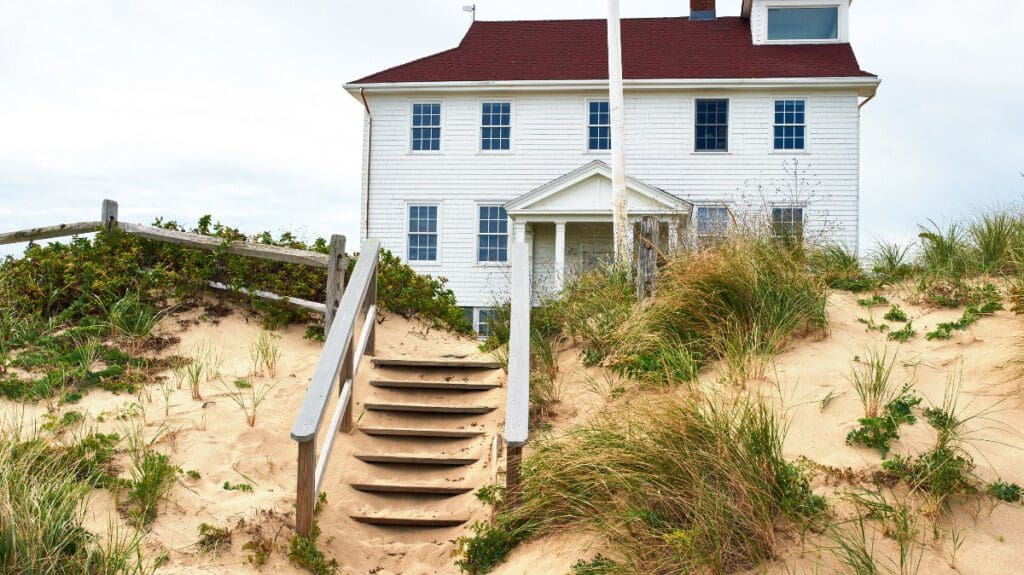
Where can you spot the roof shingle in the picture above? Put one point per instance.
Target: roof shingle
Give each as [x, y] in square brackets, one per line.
[652, 49]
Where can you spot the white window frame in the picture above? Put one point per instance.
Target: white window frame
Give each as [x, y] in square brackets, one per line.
[841, 5]
[437, 234]
[789, 206]
[477, 312]
[511, 125]
[807, 125]
[724, 233]
[728, 127]
[508, 233]
[409, 132]
[587, 125]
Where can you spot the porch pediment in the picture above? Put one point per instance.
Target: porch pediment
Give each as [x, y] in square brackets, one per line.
[588, 190]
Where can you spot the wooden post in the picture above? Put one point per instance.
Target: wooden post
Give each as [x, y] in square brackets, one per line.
[108, 214]
[371, 299]
[305, 498]
[560, 255]
[647, 257]
[335, 279]
[348, 370]
[513, 478]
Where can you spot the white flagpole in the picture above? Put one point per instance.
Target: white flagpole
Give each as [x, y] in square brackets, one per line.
[623, 253]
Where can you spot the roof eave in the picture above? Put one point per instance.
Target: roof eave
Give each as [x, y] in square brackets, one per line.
[865, 85]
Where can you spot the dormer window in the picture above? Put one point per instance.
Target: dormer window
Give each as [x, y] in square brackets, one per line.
[803, 24]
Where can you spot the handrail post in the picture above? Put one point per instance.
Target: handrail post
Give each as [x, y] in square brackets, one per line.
[347, 372]
[371, 300]
[335, 279]
[108, 214]
[305, 498]
[517, 412]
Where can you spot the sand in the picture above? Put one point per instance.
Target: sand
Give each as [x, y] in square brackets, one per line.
[211, 437]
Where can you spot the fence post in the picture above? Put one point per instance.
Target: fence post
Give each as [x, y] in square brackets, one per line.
[335, 279]
[517, 412]
[108, 214]
[305, 499]
[348, 368]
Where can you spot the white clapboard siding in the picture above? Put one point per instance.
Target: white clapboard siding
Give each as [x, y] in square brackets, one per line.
[548, 141]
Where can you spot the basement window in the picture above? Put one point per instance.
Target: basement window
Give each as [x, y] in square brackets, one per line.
[803, 23]
[788, 223]
[712, 223]
[485, 317]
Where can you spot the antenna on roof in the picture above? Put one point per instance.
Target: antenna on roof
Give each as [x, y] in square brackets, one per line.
[471, 8]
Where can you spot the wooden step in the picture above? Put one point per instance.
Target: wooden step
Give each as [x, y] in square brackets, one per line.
[442, 385]
[411, 488]
[429, 408]
[419, 432]
[395, 520]
[416, 459]
[441, 363]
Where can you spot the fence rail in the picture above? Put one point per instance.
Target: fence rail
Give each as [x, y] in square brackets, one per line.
[339, 363]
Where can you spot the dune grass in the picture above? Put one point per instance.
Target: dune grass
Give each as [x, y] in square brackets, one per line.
[676, 484]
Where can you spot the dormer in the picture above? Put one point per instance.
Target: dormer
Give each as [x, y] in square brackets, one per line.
[798, 21]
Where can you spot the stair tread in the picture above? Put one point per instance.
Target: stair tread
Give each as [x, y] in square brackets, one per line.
[427, 407]
[411, 487]
[422, 432]
[416, 458]
[436, 362]
[406, 520]
[446, 385]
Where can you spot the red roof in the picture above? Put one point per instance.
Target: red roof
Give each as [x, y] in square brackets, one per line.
[652, 48]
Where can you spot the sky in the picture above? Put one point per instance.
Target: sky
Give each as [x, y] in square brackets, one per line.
[235, 107]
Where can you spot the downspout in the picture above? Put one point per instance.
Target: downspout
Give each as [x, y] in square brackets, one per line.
[369, 164]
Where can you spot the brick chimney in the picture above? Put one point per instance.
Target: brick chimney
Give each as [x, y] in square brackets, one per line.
[702, 10]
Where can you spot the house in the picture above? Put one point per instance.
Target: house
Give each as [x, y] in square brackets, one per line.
[506, 137]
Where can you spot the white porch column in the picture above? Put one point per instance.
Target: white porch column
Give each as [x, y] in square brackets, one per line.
[560, 254]
[519, 231]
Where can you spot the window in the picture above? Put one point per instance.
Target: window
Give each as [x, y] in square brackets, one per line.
[712, 128]
[790, 124]
[712, 222]
[496, 126]
[484, 318]
[803, 23]
[788, 223]
[426, 127]
[599, 127]
[493, 244]
[422, 233]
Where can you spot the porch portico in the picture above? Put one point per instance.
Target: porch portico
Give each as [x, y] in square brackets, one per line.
[567, 223]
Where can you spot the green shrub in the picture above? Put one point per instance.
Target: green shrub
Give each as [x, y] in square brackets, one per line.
[213, 539]
[878, 432]
[305, 553]
[903, 335]
[1008, 492]
[401, 290]
[896, 313]
[874, 301]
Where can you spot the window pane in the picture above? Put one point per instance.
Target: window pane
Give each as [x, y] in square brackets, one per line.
[803, 23]
[712, 125]
[493, 234]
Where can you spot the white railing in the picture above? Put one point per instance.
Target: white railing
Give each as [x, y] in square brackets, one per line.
[517, 411]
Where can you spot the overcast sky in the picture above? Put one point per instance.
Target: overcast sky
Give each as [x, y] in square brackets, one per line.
[236, 108]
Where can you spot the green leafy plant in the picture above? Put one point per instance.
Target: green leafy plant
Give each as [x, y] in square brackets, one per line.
[1008, 492]
[599, 565]
[879, 432]
[213, 539]
[245, 487]
[305, 553]
[896, 313]
[903, 335]
[152, 478]
[874, 301]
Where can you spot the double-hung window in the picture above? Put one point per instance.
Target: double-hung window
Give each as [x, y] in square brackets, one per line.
[426, 126]
[599, 126]
[788, 223]
[493, 235]
[496, 126]
[712, 125]
[422, 233]
[803, 24]
[712, 222]
[790, 124]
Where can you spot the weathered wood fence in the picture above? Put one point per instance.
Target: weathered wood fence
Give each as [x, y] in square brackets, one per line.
[341, 356]
[335, 262]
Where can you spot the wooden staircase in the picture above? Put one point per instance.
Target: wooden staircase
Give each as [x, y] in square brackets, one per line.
[422, 444]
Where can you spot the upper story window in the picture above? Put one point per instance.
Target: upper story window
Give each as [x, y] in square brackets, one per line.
[712, 126]
[712, 222]
[422, 233]
[426, 126]
[496, 126]
[788, 223]
[790, 124]
[821, 23]
[493, 238]
[599, 126]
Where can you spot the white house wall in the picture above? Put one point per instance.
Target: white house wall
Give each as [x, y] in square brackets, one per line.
[548, 141]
